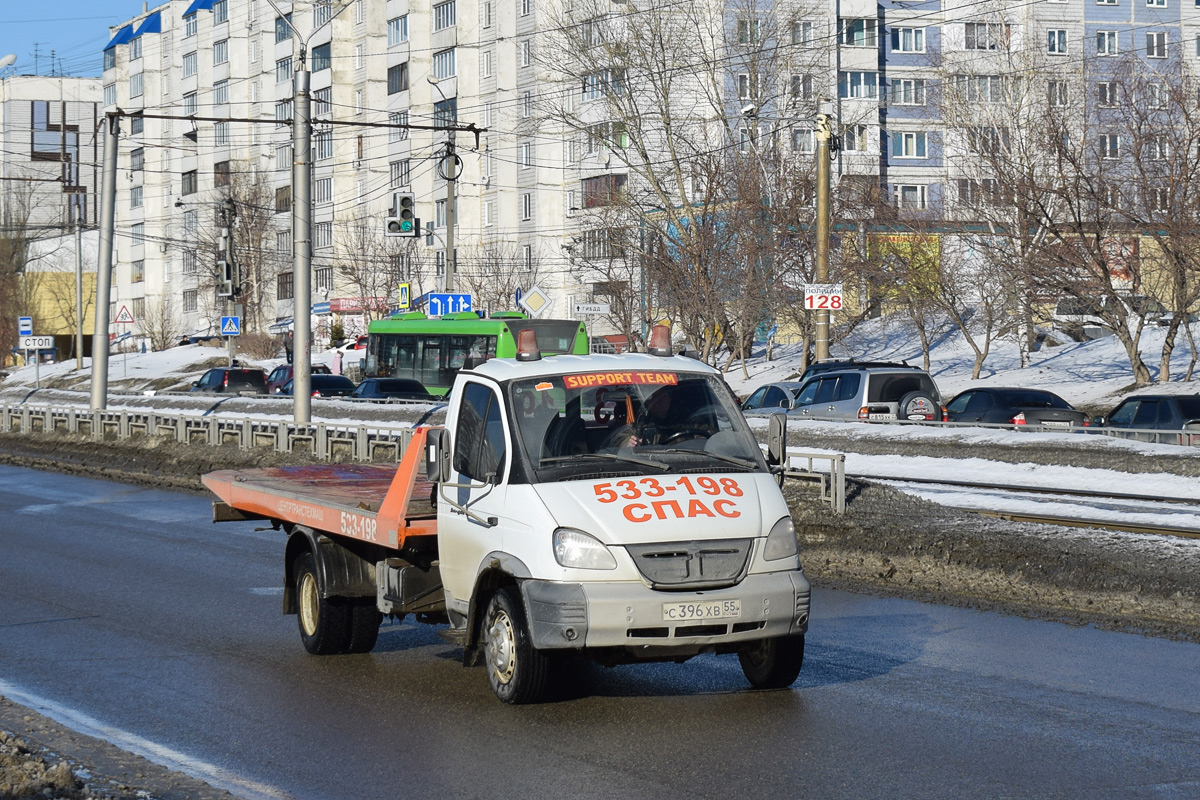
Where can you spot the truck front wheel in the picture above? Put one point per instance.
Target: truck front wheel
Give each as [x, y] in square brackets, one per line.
[325, 623]
[773, 663]
[518, 672]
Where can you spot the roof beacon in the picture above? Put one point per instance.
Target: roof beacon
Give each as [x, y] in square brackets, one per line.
[660, 340]
[527, 346]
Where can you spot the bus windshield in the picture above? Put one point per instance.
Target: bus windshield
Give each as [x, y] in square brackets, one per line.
[642, 422]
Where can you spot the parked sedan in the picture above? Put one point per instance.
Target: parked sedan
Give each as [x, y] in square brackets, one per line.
[392, 388]
[232, 380]
[772, 397]
[1166, 418]
[325, 386]
[1010, 406]
[283, 373]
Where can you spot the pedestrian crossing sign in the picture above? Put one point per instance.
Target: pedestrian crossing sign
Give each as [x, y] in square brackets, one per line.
[231, 326]
[403, 299]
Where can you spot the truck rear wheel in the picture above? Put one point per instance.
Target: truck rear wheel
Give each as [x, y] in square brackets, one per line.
[325, 623]
[518, 672]
[773, 663]
[365, 620]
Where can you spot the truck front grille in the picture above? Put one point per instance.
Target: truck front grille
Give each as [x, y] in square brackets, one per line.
[692, 565]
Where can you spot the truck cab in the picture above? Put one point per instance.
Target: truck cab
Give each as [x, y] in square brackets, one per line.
[613, 505]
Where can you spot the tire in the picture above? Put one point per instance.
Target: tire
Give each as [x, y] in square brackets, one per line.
[325, 623]
[918, 405]
[365, 620]
[773, 663]
[517, 671]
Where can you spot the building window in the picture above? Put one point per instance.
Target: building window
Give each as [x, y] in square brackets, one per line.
[485, 61]
[1158, 148]
[857, 32]
[854, 139]
[190, 104]
[443, 16]
[110, 94]
[189, 262]
[401, 173]
[221, 93]
[397, 78]
[283, 70]
[802, 87]
[489, 213]
[526, 206]
[324, 278]
[283, 199]
[137, 123]
[439, 213]
[221, 173]
[1110, 145]
[190, 64]
[1106, 93]
[190, 182]
[908, 145]
[396, 134]
[858, 84]
[283, 242]
[986, 140]
[1157, 95]
[283, 157]
[525, 155]
[487, 15]
[527, 104]
[1057, 91]
[804, 141]
[135, 197]
[526, 7]
[443, 64]
[802, 33]
[323, 191]
[221, 133]
[908, 40]
[1157, 3]
[110, 59]
[189, 26]
[445, 112]
[1056, 42]
[320, 60]
[1106, 43]
[138, 230]
[360, 55]
[986, 36]
[748, 31]
[323, 236]
[284, 287]
[283, 28]
[137, 160]
[527, 53]
[908, 197]
[322, 145]
[321, 100]
[191, 222]
[1156, 45]
[283, 110]
[397, 31]
[135, 85]
[189, 300]
[526, 264]
[322, 12]
[908, 92]
[603, 190]
[221, 52]
[1161, 199]
[255, 49]
[220, 11]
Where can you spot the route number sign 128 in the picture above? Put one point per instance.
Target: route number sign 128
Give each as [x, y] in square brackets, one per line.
[823, 296]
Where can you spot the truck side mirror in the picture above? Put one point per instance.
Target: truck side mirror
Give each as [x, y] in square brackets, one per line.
[777, 444]
[437, 455]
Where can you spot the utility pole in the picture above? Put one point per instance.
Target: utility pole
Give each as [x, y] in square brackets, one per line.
[824, 134]
[78, 291]
[449, 169]
[108, 204]
[228, 215]
[302, 244]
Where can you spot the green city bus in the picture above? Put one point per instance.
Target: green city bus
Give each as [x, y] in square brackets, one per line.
[433, 349]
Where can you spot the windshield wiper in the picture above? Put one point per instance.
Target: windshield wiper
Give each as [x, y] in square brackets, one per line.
[737, 462]
[646, 462]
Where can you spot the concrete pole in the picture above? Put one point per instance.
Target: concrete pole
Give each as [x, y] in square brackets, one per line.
[449, 165]
[302, 246]
[821, 345]
[108, 204]
[78, 291]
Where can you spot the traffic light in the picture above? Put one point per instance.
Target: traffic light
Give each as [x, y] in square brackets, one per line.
[225, 281]
[404, 221]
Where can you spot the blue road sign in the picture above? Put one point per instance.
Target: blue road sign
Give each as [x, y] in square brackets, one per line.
[24, 326]
[441, 303]
[231, 326]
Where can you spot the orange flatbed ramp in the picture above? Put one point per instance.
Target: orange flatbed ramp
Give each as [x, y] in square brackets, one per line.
[374, 503]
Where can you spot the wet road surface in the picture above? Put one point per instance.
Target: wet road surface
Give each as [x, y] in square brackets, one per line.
[125, 610]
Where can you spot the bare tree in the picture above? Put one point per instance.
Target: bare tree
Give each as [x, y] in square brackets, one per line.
[493, 272]
[162, 323]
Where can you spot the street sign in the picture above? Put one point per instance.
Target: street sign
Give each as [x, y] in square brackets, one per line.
[24, 326]
[231, 326]
[403, 296]
[535, 301]
[324, 307]
[441, 303]
[592, 308]
[823, 296]
[37, 342]
[123, 316]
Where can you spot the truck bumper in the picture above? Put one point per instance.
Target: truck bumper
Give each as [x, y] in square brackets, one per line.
[633, 616]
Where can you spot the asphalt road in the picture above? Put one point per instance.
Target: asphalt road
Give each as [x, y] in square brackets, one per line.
[123, 611]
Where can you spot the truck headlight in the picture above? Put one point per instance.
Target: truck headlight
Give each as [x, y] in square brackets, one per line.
[579, 550]
[781, 541]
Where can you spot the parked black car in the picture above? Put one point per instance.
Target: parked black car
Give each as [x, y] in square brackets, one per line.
[232, 380]
[1165, 418]
[392, 388]
[283, 373]
[1012, 406]
[325, 386]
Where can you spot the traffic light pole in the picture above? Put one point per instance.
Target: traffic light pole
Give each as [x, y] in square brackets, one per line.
[228, 214]
[824, 133]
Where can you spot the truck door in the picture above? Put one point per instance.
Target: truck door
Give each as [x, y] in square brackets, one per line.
[481, 457]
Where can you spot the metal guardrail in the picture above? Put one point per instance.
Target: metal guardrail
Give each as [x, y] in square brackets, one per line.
[364, 442]
[831, 482]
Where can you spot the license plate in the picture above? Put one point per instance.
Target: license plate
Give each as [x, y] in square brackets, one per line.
[1053, 424]
[706, 609]
[882, 417]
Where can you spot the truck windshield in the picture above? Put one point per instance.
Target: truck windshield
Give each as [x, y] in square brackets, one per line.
[573, 426]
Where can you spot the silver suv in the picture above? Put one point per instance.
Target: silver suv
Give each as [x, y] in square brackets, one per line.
[870, 393]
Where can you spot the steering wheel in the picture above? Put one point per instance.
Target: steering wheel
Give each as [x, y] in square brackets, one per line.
[685, 434]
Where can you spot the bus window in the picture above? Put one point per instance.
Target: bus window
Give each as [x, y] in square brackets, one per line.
[429, 371]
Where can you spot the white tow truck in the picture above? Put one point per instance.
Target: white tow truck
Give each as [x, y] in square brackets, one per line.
[614, 506]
